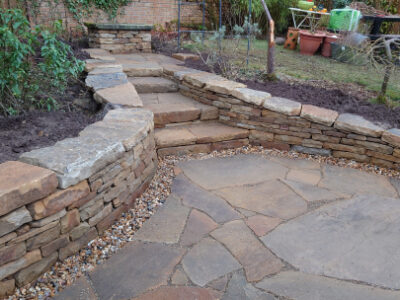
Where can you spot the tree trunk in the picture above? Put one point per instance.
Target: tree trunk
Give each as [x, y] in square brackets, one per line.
[271, 43]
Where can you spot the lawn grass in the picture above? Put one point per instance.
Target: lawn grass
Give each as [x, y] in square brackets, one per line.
[316, 67]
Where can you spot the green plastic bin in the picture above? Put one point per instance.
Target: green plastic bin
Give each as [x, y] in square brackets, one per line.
[345, 19]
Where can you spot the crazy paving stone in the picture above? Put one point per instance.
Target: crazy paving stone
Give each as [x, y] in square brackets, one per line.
[257, 260]
[208, 260]
[305, 176]
[196, 197]
[351, 181]
[353, 239]
[272, 198]
[216, 173]
[239, 288]
[261, 225]
[180, 293]
[197, 226]
[301, 286]
[137, 268]
[81, 289]
[166, 225]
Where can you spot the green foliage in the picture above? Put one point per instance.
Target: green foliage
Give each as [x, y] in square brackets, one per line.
[341, 3]
[279, 11]
[82, 8]
[34, 62]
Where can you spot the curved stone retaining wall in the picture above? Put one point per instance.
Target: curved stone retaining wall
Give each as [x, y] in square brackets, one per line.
[285, 124]
[57, 199]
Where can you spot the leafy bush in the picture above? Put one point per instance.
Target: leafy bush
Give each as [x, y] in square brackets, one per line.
[341, 3]
[34, 62]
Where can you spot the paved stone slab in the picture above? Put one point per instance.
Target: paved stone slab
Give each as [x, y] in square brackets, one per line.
[261, 225]
[201, 79]
[283, 106]
[173, 113]
[166, 225]
[392, 136]
[138, 267]
[296, 164]
[301, 286]
[198, 198]
[319, 115]
[142, 69]
[81, 290]
[179, 277]
[354, 239]
[220, 283]
[25, 261]
[312, 193]
[96, 53]
[351, 181]
[22, 184]
[305, 176]
[257, 260]
[271, 198]
[197, 226]
[154, 85]
[251, 96]
[124, 94]
[223, 86]
[91, 64]
[239, 288]
[170, 137]
[210, 132]
[180, 293]
[33, 271]
[106, 69]
[358, 124]
[208, 260]
[218, 173]
[103, 81]
[185, 56]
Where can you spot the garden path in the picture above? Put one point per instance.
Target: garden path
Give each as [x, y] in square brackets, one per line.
[253, 227]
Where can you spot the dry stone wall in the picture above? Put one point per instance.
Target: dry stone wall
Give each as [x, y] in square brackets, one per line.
[55, 200]
[284, 124]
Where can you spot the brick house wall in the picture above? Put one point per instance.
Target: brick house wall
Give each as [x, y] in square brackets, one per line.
[149, 12]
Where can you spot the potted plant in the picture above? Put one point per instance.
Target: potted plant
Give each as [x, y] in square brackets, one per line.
[311, 40]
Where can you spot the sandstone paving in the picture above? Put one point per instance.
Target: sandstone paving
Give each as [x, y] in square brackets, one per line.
[257, 260]
[271, 198]
[218, 173]
[261, 225]
[179, 277]
[353, 239]
[203, 200]
[154, 85]
[180, 293]
[138, 267]
[103, 81]
[207, 261]
[302, 286]
[166, 225]
[239, 288]
[352, 181]
[311, 177]
[197, 226]
[81, 289]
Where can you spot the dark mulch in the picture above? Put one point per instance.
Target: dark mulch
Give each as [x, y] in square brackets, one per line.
[39, 129]
[335, 99]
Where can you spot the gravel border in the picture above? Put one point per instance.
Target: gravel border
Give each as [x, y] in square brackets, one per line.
[63, 274]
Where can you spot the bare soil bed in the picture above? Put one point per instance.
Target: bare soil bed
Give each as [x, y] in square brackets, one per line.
[333, 98]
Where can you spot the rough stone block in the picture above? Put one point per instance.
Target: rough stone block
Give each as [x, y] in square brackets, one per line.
[184, 150]
[70, 220]
[59, 200]
[288, 139]
[325, 138]
[283, 105]
[223, 145]
[21, 184]
[103, 81]
[185, 56]
[106, 222]
[7, 287]
[350, 155]
[25, 261]
[33, 232]
[312, 151]
[142, 69]
[170, 137]
[251, 96]
[261, 135]
[77, 158]
[357, 124]
[201, 79]
[392, 136]
[43, 238]
[319, 115]
[54, 245]
[124, 94]
[346, 148]
[14, 220]
[91, 208]
[369, 145]
[11, 253]
[75, 246]
[49, 219]
[101, 215]
[32, 272]
[107, 69]
[225, 87]
[383, 156]
[78, 231]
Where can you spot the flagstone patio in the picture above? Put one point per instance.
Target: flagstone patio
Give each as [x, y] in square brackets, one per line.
[251, 227]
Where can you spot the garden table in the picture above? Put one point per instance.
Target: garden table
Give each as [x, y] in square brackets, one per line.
[307, 18]
[377, 23]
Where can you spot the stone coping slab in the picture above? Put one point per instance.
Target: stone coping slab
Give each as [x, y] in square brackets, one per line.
[76, 159]
[113, 26]
[358, 124]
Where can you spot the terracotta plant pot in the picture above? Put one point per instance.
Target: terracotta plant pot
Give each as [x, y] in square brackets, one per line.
[310, 42]
[291, 38]
[326, 47]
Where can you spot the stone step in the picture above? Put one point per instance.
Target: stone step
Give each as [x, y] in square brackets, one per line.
[153, 85]
[199, 137]
[170, 108]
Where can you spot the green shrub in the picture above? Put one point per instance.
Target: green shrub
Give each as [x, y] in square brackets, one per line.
[35, 63]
